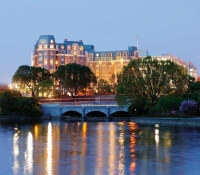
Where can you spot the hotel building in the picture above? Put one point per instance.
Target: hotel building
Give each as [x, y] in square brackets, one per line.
[49, 55]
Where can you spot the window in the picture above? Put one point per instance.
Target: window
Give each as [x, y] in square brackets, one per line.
[40, 46]
[81, 48]
[125, 54]
[97, 59]
[40, 58]
[69, 47]
[90, 55]
[52, 52]
[109, 54]
[45, 56]
[51, 46]
[75, 52]
[51, 67]
[103, 55]
[40, 52]
[75, 47]
[51, 57]
[45, 52]
[118, 55]
[45, 66]
[45, 46]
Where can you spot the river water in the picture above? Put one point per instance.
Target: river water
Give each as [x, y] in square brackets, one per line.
[98, 148]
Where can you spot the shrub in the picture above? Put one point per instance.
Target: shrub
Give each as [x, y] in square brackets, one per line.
[187, 106]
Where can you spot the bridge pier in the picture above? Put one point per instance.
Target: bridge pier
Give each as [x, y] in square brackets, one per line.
[108, 113]
[83, 113]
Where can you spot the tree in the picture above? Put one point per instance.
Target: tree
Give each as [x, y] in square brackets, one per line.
[7, 101]
[75, 77]
[46, 86]
[103, 87]
[148, 79]
[28, 106]
[168, 103]
[30, 76]
[193, 91]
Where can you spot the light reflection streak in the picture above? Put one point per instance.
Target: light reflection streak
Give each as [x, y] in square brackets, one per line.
[157, 136]
[132, 127]
[49, 150]
[16, 152]
[84, 147]
[112, 150]
[121, 151]
[28, 168]
[99, 149]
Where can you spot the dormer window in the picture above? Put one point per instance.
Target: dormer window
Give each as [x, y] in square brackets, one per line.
[68, 47]
[81, 48]
[90, 55]
[75, 47]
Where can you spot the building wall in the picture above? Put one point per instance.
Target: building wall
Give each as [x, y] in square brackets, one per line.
[50, 55]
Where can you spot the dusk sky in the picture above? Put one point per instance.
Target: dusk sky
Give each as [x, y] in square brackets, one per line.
[162, 26]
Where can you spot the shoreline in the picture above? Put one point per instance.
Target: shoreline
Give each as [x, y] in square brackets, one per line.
[168, 121]
[193, 121]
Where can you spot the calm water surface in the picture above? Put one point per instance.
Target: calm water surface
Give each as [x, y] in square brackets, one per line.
[99, 148]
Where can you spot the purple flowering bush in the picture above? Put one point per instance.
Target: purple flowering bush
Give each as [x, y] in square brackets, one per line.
[187, 106]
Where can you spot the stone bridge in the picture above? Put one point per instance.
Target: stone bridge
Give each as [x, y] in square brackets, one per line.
[57, 110]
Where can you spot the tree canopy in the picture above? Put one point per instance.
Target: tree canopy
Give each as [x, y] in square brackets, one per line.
[148, 79]
[31, 77]
[74, 77]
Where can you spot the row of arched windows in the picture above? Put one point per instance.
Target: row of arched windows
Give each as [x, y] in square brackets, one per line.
[119, 54]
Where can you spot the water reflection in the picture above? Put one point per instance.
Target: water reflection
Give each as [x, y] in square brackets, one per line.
[16, 152]
[112, 150]
[49, 150]
[133, 127]
[121, 150]
[28, 165]
[99, 148]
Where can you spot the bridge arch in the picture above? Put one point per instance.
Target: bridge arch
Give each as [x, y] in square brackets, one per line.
[119, 114]
[71, 113]
[96, 114]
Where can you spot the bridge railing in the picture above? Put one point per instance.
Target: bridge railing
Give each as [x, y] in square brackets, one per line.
[86, 103]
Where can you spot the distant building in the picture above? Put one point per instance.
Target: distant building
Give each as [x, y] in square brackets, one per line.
[49, 55]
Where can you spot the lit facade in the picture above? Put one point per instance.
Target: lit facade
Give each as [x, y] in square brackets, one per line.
[49, 55]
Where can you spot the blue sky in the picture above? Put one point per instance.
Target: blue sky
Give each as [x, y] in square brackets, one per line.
[162, 26]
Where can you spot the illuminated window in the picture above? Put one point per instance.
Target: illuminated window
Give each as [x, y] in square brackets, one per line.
[75, 52]
[40, 46]
[81, 48]
[51, 46]
[75, 47]
[45, 46]
[69, 47]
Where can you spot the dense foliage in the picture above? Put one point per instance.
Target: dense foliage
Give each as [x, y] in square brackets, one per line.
[31, 77]
[12, 101]
[75, 77]
[144, 81]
